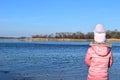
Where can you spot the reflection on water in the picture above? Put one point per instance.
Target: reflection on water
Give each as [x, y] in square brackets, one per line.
[49, 60]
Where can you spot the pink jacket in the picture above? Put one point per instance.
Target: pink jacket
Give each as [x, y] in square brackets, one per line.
[99, 59]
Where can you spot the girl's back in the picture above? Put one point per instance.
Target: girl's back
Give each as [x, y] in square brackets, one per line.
[99, 55]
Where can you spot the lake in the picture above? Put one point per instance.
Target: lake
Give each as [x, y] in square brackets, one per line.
[49, 60]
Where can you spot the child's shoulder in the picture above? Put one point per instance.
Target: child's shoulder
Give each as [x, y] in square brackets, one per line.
[101, 44]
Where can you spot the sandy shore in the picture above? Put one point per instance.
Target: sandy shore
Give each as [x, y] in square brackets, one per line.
[113, 40]
[67, 39]
[60, 39]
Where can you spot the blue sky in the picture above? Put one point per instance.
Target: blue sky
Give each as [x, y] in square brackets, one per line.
[31, 17]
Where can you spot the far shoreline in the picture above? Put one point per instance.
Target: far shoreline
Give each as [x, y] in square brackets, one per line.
[70, 40]
[58, 39]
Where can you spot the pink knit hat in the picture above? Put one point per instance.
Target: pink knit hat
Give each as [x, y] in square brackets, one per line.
[99, 33]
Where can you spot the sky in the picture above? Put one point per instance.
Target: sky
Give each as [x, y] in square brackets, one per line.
[32, 17]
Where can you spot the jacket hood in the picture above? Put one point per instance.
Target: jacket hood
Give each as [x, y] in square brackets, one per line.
[101, 49]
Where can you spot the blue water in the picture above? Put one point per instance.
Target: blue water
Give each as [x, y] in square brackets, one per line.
[49, 61]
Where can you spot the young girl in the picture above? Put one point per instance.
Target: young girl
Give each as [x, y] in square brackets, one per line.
[99, 56]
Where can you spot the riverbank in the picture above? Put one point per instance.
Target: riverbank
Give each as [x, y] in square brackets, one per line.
[59, 39]
[67, 39]
[113, 40]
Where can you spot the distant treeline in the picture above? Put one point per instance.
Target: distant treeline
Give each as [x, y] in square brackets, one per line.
[14, 37]
[8, 38]
[79, 35]
[70, 35]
